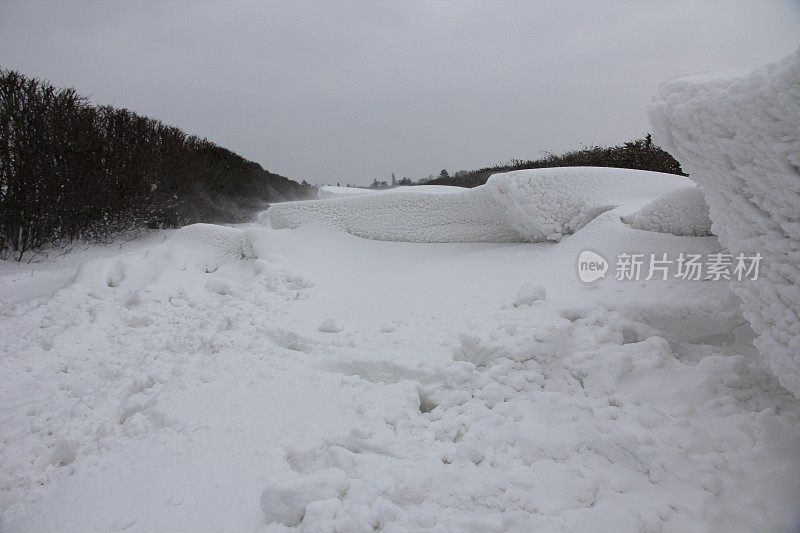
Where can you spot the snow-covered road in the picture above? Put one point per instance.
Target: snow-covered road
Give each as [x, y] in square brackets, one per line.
[186, 386]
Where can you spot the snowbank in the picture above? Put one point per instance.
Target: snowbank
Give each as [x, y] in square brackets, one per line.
[546, 204]
[739, 139]
[201, 247]
[435, 189]
[680, 212]
[468, 216]
[285, 500]
[528, 205]
[329, 191]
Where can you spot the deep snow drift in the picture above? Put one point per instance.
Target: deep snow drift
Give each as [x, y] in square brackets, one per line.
[527, 205]
[330, 191]
[683, 211]
[739, 138]
[246, 379]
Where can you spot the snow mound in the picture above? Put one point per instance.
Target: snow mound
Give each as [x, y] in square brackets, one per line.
[527, 205]
[468, 216]
[285, 500]
[680, 212]
[434, 189]
[203, 247]
[329, 325]
[207, 246]
[528, 294]
[329, 191]
[546, 204]
[739, 139]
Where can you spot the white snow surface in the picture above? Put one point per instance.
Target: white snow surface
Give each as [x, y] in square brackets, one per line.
[527, 205]
[329, 325]
[331, 191]
[739, 139]
[683, 211]
[185, 386]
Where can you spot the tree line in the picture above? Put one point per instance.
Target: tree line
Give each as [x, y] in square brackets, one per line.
[639, 154]
[70, 170]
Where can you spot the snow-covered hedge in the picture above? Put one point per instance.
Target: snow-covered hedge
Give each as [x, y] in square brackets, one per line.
[526, 205]
[468, 216]
[547, 203]
[739, 139]
[331, 191]
[683, 211]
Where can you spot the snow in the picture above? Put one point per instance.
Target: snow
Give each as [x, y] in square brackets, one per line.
[330, 191]
[738, 139]
[465, 216]
[286, 500]
[527, 205]
[546, 204]
[185, 385]
[431, 189]
[683, 211]
[530, 293]
[329, 325]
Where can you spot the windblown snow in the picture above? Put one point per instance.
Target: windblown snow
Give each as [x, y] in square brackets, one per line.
[256, 379]
[523, 206]
[739, 139]
[330, 191]
[683, 211]
[299, 377]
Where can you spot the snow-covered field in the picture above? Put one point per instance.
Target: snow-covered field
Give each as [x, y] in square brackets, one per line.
[450, 373]
[248, 378]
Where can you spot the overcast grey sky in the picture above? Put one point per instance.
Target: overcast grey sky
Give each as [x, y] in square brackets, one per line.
[351, 91]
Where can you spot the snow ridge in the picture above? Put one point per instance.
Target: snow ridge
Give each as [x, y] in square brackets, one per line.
[681, 212]
[739, 139]
[527, 205]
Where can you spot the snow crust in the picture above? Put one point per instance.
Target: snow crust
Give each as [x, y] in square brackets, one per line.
[523, 206]
[739, 140]
[683, 211]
